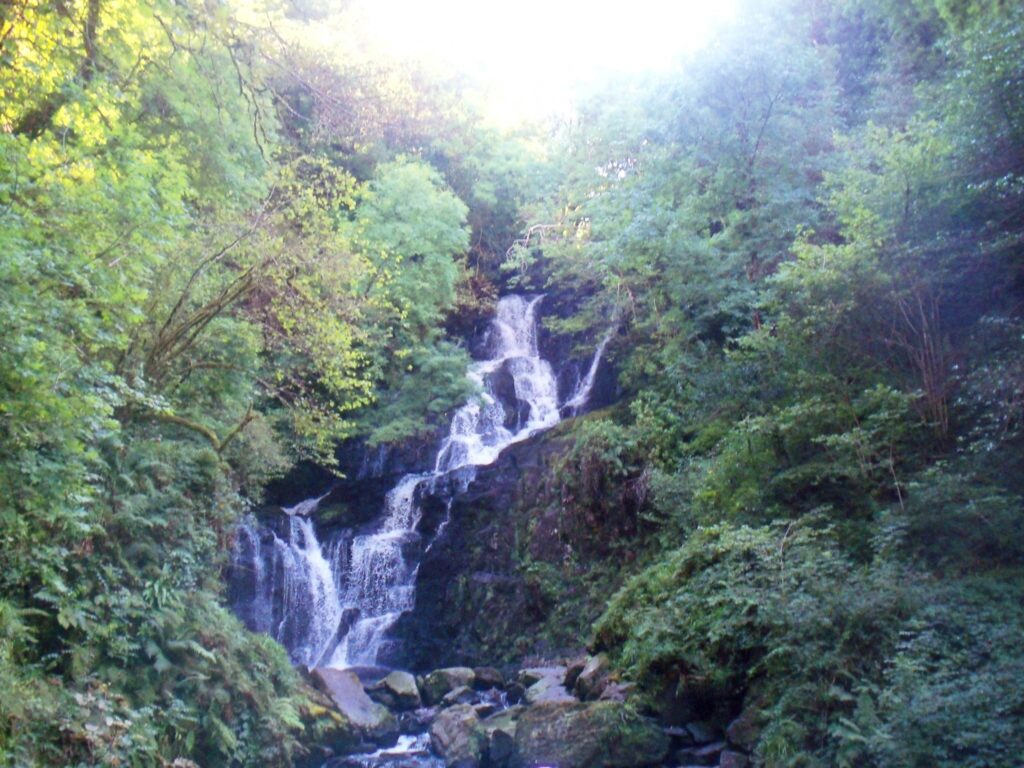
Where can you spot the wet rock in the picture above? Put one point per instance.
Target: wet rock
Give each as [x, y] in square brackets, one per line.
[572, 673]
[372, 721]
[488, 677]
[398, 691]
[706, 755]
[577, 735]
[733, 760]
[516, 692]
[461, 695]
[439, 682]
[485, 709]
[418, 720]
[593, 678]
[456, 735]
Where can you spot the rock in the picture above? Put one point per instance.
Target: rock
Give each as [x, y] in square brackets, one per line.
[398, 691]
[679, 735]
[572, 734]
[528, 677]
[516, 692]
[501, 736]
[745, 730]
[572, 673]
[488, 677]
[331, 731]
[706, 755]
[456, 735]
[485, 709]
[418, 720]
[733, 760]
[593, 678]
[617, 691]
[546, 690]
[373, 721]
[461, 695]
[439, 682]
[702, 732]
[504, 718]
[501, 746]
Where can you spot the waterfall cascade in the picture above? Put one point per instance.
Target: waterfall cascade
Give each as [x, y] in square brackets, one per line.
[333, 605]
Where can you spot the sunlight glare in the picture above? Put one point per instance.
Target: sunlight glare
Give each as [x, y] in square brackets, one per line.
[531, 53]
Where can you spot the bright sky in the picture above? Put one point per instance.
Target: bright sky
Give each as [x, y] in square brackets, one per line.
[530, 53]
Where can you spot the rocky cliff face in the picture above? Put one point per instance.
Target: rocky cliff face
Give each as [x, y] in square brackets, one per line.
[509, 576]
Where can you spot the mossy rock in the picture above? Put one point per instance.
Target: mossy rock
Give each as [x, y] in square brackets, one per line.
[440, 682]
[605, 734]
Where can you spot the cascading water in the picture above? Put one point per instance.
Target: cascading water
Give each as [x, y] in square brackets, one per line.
[335, 609]
[289, 587]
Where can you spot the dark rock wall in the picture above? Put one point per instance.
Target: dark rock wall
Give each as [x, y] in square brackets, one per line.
[504, 580]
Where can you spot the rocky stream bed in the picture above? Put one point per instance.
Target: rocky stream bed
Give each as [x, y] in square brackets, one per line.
[572, 714]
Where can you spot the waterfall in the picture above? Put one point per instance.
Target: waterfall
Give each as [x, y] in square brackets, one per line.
[336, 609]
[582, 394]
[290, 587]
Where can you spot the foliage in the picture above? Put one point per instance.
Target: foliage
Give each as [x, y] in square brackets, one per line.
[196, 293]
[816, 259]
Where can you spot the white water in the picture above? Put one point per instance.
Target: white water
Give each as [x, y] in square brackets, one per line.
[579, 398]
[375, 584]
[308, 600]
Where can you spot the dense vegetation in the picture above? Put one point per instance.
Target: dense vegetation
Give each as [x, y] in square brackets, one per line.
[222, 252]
[809, 239]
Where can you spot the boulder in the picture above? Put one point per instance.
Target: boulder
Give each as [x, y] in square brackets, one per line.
[572, 673]
[461, 695]
[501, 736]
[329, 731]
[706, 755]
[543, 684]
[547, 689]
[733, 760]
[603, 734]
[485, 709]
[516, 692]
[439, 682]
[528, 677]
[398, 691]
[506, 718]
[417, 720]
[373, 721]
[488, 677]
[456, 735]
[501, 746]
[593, 678]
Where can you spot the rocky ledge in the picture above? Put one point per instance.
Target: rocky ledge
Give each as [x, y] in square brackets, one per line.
[565, 715]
